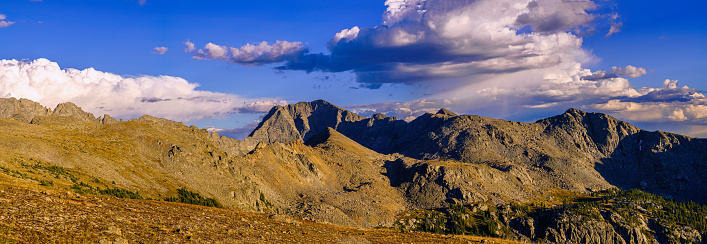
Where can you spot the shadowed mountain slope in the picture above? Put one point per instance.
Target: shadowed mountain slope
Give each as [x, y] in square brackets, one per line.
[575, 150]
[320, 162]
[301, 121]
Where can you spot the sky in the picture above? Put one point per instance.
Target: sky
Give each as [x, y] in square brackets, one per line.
[224, 64]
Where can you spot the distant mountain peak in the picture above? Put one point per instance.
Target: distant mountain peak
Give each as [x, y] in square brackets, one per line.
[301, 120]
[320, 102]
[277, 126]
[22, 109]
[446, 112]
[379, 116]
[70, 109]
[575, 111]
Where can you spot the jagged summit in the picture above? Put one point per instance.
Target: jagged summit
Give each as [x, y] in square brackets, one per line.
[26, 110]
[319, 102]
[277, 126]
[22, 109]
[577, 115]
[379, 116]
[446, 112]
[70, 109]
[301, 121]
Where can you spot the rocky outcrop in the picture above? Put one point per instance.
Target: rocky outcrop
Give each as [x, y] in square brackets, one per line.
[301, 121]
[594, 133]
[563, 226]
[26, 111]
[107, 119]
[160, 121]
[277, 126]
[569, 228]
[560, 224]
[22, 109]
[71, 110]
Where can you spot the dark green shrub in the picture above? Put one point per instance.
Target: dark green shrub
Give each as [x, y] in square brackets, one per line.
[188, 197]
[120, 193]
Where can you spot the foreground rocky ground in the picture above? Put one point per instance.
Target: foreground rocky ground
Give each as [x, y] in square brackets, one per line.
[49, 216]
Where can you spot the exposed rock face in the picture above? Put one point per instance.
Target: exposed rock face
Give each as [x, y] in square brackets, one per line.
[301, 121]
[107, 119]
[277, 126]
[435, 184]
[575, 229]
[567, 227]
[71, 110]
[575, 150]
[26, 111]
[23, 109]
[563, 226]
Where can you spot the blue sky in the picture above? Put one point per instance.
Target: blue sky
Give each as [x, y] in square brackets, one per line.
[526, 63]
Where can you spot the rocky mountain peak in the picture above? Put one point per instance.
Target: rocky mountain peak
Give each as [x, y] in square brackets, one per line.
[446, 112]
[319, 102]
[21, 109]
[598, 130]
[301, 121]
[277, 126]
[107, 119]
[70, 109]
[575, 111]
[26, 110]
[379, 116]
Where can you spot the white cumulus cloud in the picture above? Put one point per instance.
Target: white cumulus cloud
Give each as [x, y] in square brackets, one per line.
[211, 51]
[431, 40]
[190, 47]
[125, 97]
[250, 54]
[629, 71]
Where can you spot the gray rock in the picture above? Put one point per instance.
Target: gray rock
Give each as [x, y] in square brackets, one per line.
[23, 109]
[69, 109]
[107, 119]
[277, 126]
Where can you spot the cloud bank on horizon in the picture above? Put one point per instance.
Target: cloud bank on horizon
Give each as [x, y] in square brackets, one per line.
[496, 57]
[124, 97]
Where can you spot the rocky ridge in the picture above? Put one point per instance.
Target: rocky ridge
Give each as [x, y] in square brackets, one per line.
[575, 150]
[320, 162]
[26, 110]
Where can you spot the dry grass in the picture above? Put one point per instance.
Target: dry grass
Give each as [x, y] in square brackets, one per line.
[35, 215]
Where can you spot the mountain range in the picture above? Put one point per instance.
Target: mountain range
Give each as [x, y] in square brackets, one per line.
[317, 161]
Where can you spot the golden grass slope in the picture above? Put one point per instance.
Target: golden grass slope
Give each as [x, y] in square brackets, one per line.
[37, 215]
